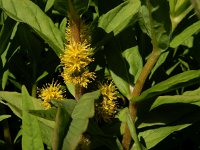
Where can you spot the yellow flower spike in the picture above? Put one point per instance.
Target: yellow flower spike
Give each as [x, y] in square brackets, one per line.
[76, 57]
[81, 79]
[50, 91]
[108, 106]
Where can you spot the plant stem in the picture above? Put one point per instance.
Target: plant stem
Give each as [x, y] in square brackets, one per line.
[136, 92]
[34, 90]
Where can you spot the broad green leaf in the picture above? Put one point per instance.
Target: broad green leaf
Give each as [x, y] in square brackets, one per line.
[31, 136]
[29, 13]
[14, 101]
[83, 110]
[185, 34]
[49, 114]
[2, 117]
[120, 17]
[180, 80]
[155, 18]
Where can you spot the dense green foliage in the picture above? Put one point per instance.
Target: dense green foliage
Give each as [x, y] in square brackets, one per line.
[131, 39]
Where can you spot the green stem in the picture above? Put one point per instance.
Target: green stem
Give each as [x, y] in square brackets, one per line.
[136, 92]
[34, 90]
[135, 137]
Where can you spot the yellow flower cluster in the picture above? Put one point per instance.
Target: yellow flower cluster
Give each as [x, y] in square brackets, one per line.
[49, 92]
[108, 104]
[75, 60]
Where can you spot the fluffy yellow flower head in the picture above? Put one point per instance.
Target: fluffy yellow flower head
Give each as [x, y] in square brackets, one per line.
[76, 57]
[49, 92]
[108, 104]
[75, 60]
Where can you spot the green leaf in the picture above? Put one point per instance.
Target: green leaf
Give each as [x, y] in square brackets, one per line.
[80, 115]
[31, 136]
[49, 5]
[14, 102]
[133, 132]
[189, 97]
[49, 114]
[185, 34]
[62, 123]
[120, 17]
[154, 136]
[155, 19]
[124, 61]
[29, 13]
[180, 80]
[2, 117]
[5, 34]
[160, 61]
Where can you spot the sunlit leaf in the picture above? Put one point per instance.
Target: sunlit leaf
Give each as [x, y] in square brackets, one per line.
[185, 34]
[30, 127]
[29, 13]
[120, 17]
[81, 114]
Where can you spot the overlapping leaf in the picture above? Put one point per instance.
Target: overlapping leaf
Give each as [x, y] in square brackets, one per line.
[29, 13]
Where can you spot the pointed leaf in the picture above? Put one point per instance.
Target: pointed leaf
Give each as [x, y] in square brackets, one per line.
[80, 115]
[120, 17]
[185, 34]
[29, 13]
[31, 136]
[2, 117]
[124, 62]
[180, 80]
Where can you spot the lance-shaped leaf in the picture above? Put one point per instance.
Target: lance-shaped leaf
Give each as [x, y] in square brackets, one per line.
[185, 34]
[154, 19]
[80, 115]
[120, 17]
[14, 101]
[29, 13]
[153, 136]
[31, 135]
[124, 61]
[180, 80]
[2, 117]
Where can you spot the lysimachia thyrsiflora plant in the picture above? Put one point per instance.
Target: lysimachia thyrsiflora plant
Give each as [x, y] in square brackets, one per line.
[93, 74]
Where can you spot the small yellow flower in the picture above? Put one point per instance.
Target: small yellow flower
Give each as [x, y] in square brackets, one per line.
[108, 107]
[49, 92]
